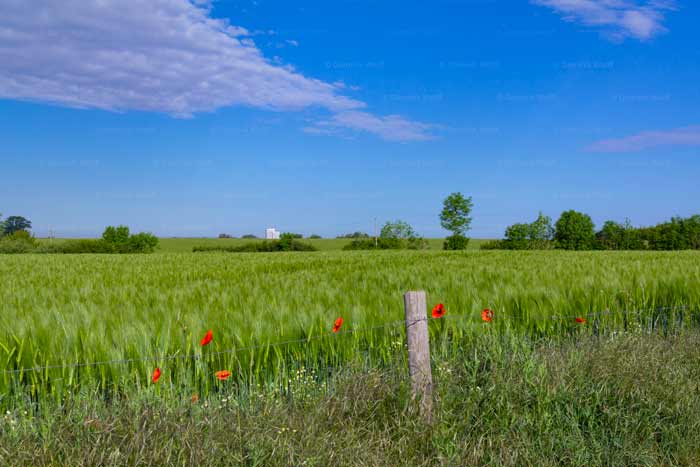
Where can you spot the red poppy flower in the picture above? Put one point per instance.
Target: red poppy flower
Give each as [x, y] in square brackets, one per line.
[156, 375]
[195, 398]
[487, 315]
[222, 375]
[208, 337]
[439, 311]
[580, 320]
[338, 323]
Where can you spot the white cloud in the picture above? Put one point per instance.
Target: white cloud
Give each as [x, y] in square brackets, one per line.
[686, 136]
[390, 127]
[148, 55]
[619, 19]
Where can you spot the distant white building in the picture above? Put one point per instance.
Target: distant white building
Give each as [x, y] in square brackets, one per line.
[272, 234]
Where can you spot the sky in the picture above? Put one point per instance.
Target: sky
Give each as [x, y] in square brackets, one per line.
[200, 117]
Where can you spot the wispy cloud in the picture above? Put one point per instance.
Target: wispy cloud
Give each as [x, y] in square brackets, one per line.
[390, 127]
[166, 56]
[686, 136]
[618, 19]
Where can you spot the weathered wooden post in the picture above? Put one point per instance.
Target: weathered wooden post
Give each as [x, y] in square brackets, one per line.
[416, 315]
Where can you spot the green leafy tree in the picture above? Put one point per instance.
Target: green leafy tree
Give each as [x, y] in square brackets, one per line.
[398, 229]
[15, 223]
[574, 231]
[611, 236]
[116, 236]
[541, 232]
[455, 217]
[537, 235]
[518, 237]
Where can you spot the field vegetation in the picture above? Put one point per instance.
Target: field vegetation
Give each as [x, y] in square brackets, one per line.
[59, 310]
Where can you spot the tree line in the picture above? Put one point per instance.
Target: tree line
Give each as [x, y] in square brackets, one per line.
[15, 237]
[576, 231]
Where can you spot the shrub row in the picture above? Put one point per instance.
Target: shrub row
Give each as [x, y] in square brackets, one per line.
[114, 240]
[266, 246]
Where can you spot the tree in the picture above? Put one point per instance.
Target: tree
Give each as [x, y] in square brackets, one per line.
[397, 230]
[611, 236]
[14, 224]
[117, 236]
[534, 236]
[574, 231]
[455, 218]
[518, 237]
[541, 232]
[399, 234]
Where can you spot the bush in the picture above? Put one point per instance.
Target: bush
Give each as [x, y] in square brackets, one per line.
[383, 243]
[494, 245]
[354, 235]
[121, 241]
[142, 242]
[455, 242]
[266, 246]
[78, 247]
[249, 236]
[314, 237]
[18, 242]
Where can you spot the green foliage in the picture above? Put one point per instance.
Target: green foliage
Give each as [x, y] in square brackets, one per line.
[314, 237]
[517, 237]
[285, 243]
[398, 235]
[677, 234]
[615, 236]
[574, 231]
[494, 245]
[455, 214]
[117, 236]
[80, 246]
[14, 224]
[291, 235]
[249, 236]
[121, 241]
[20, 241]
[142, 242]
[354, 235]
[456, 242]
[397, 230]
[537, 235]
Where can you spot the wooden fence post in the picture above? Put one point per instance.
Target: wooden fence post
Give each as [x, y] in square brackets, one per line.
[416, 315]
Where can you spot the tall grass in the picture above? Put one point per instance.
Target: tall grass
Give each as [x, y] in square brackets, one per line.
[59, 310]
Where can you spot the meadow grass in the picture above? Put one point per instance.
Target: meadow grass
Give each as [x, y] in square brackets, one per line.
[625, 399]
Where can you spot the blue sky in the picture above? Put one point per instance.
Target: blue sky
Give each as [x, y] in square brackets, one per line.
[193, 118]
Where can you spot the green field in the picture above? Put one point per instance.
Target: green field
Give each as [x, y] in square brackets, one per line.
[63, 309]
[531, 384]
